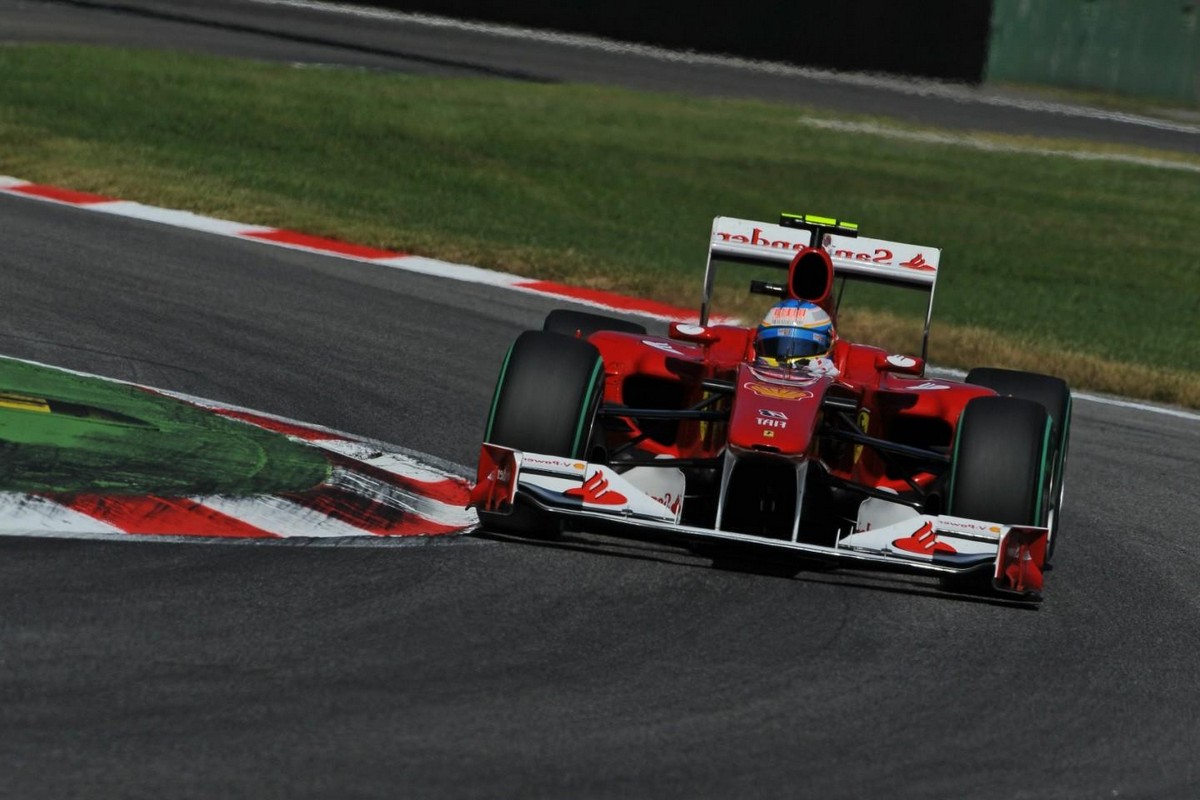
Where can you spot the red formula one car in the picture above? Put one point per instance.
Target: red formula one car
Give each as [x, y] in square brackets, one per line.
[867, 462]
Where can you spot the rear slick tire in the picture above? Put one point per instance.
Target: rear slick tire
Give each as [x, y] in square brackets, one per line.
[545, 402]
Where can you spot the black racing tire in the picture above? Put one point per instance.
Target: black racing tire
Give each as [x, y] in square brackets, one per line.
[1002, 457]
[1053, 393]
[582, 324]
[1000, 470]
[1055, 396]
[545, 402]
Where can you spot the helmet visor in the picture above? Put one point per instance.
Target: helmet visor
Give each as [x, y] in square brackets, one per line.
[786, 344]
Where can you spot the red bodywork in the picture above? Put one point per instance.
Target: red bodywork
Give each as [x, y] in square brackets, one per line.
[849, 459]
[649, 371]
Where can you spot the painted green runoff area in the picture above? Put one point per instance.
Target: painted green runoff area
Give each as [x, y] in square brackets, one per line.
[1042, 256]
[61, 432]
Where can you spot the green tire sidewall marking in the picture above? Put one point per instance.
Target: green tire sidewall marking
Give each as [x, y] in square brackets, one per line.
[487, 436]
[954, 458]
[593, 385]
[1060, 465]
[1043, 470]
[1062, 439]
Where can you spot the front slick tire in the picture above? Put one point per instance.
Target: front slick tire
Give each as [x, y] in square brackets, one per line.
[1055, 395]
[545, 402]
[1001, 470]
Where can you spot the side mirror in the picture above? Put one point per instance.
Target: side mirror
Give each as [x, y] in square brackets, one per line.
[685, 332]
[905, 365]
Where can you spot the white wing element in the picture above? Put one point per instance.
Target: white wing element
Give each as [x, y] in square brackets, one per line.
[892, 262]
[650, 499]
[650, 493]
[877, 259]
[744, 239]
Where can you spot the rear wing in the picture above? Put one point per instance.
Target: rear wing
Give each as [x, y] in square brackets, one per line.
[877, 260]
[883, 261]
[753, 242]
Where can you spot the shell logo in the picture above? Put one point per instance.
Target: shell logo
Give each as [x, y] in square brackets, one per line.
[777, 392]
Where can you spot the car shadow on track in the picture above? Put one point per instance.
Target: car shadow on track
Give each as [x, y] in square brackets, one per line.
[807, 572]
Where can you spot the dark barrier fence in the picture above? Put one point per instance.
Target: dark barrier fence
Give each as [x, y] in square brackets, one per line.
[944, 39]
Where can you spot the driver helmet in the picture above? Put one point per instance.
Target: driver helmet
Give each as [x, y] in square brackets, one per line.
[792, 333]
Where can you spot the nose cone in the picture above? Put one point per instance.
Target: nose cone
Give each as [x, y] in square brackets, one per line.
[776, 414]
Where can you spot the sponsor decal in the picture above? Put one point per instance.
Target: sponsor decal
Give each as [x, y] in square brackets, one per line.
[886, 258]
[789, 315]
[959, 525]
[768, 434]
[917, 262]
[768, 422]
[596, 492]
[672, 501]
[690, 330]
[929, 385]
[904, 362]
[664, 346]
[881, 256]
[923, 542]
[777, 392]
[550, 462]
[770, 412]
[864, 420]
[756, 239]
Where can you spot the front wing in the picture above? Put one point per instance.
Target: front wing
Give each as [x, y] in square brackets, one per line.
[651, 499]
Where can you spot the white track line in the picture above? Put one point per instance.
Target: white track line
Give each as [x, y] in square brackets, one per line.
[991, 145]
[1120, 403]
[327, 247]
[958, 374]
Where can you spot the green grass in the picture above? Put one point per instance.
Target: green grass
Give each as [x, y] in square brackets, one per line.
[613, 188]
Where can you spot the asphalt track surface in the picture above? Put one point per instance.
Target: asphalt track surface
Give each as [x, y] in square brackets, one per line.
[585, 668]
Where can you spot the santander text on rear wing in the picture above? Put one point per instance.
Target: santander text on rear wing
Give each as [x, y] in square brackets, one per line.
[880, 260]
